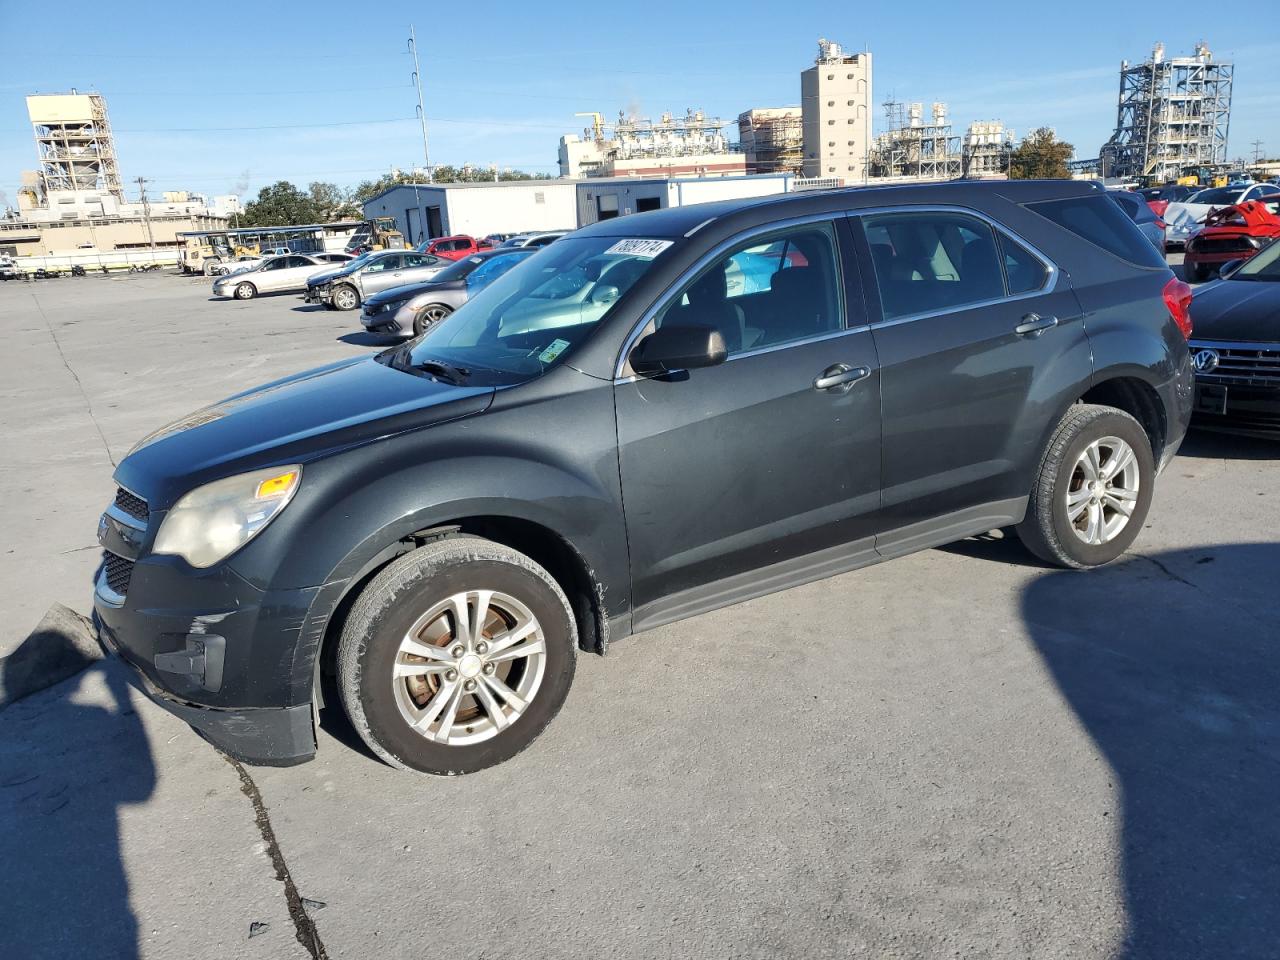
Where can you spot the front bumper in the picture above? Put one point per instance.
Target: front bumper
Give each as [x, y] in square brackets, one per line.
[233, 661]
[1247, 410]
[379, 320]
[318, 294]
[267, 736]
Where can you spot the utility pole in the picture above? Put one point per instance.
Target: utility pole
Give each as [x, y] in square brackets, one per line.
[146, 213]
[422, 114]
[1257, 151]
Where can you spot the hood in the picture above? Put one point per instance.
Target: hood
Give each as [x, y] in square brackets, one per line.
[1237, 310]
[324, 276]
[295, 420]
[412, 290]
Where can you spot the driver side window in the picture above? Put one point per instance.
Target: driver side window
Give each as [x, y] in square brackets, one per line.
[770, 290]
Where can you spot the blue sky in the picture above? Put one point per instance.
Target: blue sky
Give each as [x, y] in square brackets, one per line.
[256, 92]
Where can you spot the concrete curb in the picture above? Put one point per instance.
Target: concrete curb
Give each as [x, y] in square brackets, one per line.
[62, 644]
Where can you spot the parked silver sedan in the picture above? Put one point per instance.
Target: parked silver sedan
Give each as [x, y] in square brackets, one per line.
[372, 273]
[275, 275]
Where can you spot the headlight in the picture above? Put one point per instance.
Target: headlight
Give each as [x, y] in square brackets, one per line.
[213, 521]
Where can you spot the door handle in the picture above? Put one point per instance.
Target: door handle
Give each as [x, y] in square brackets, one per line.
[1033, 325]
[840, 375]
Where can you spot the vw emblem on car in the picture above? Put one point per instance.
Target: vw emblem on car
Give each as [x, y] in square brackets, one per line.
[1205, 361]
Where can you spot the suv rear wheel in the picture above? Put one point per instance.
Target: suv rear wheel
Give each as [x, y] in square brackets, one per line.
[1092, 491]
[456, 656]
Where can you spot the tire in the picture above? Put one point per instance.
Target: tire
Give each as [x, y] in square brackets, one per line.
[1049, 530]
[412, 598]
[429, 316]
[246, 290]
[345, 297]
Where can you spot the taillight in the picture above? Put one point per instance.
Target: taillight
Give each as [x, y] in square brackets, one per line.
[1158, 207]
[1160, 224]
[1177, 297]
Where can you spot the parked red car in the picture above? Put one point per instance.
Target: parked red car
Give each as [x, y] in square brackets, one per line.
[453, 248]
[1232, 233]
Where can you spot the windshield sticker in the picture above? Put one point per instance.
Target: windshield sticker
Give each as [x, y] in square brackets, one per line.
[646, 249]
[556, 348]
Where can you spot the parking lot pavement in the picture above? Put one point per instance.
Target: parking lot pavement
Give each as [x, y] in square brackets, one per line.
[93, 364]
[960, 753]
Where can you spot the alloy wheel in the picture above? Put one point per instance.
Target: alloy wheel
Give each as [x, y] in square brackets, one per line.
[1103, 490]
[469, 667]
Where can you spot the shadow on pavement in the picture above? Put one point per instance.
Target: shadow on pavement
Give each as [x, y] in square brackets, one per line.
[1170, 664]
[310, 308]
[364, 338]
[66, 769]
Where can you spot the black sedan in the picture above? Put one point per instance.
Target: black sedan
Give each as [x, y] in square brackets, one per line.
[415, 307]
[1235, 347]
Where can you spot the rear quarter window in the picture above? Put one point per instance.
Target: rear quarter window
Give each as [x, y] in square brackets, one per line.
[1100, 221]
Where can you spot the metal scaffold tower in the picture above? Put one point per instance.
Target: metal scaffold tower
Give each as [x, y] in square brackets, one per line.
[913, 148]
[1173, 114]
[74, 143]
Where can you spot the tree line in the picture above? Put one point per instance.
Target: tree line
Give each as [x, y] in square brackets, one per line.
[282, 204]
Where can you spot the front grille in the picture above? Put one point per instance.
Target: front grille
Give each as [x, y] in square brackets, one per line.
[118, 572]
[135, 507]
[1222, 245]
[1243, 367]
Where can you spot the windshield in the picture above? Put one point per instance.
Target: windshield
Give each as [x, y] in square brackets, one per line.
[1218, 195]
[490, 269]
[1264, 265]
[458, 269]
[535, 314]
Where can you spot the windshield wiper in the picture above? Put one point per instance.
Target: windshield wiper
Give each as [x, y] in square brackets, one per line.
[443, 371]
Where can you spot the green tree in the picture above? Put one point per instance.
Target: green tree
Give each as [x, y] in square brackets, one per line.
[280, 205]
[444, 173]
[332, 202]
[1041, 156]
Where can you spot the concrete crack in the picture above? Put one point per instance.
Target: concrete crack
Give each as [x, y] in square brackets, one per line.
[88, 404]
[304, 927]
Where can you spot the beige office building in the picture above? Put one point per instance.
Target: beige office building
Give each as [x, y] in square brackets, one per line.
[835, 100]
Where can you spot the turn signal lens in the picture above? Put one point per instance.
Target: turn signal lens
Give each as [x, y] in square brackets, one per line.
[277, 486]
[1177, 297]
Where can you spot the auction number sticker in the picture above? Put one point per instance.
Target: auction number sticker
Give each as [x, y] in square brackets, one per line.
[556, 348]
[647, 249]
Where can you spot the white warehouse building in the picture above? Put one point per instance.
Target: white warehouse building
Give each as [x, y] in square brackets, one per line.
[523, 206]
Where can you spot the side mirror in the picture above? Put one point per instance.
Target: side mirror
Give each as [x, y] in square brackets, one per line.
[669, 349]
[605, 293]
[1229, 267]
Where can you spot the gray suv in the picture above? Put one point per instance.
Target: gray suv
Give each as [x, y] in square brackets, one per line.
[657, 416]
[366, 275]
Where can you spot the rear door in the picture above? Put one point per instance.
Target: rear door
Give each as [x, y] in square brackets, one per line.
[419, 267]
[755, 474]
[978, 335]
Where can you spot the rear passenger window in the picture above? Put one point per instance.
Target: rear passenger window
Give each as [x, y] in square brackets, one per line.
[928, 262]
[769, 291]
[1099, 221]
[1023, 270]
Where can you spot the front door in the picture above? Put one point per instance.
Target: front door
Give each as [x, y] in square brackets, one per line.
[978, 339]
[758, 473]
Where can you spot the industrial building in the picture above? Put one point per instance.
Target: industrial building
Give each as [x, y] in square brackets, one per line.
[692, 145]
[435, 210]
[914, 148]
[74, 201]
[1173, 114]
[772, 139]
[835, 102]
[986, 149]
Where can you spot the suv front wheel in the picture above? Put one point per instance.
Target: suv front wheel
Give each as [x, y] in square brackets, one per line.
[456, 656]
[1092, 491]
